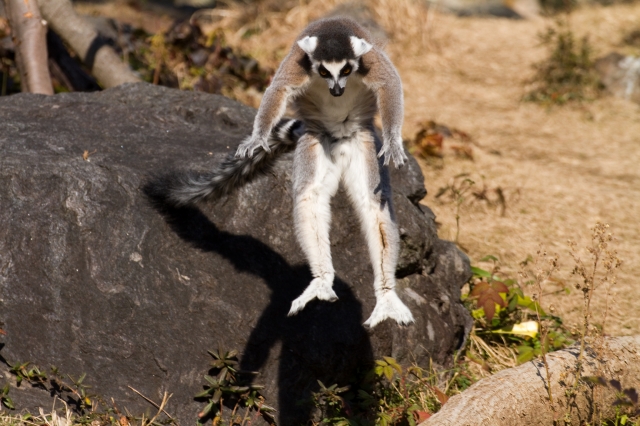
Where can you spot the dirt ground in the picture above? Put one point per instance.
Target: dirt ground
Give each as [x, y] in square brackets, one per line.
[561, 169]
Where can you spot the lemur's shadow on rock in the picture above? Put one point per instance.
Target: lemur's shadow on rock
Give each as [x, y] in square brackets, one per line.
[326, 341]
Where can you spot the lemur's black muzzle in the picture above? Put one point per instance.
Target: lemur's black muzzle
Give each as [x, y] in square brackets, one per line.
[337, 90]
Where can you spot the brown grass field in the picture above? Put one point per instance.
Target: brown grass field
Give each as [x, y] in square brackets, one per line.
[561, 168]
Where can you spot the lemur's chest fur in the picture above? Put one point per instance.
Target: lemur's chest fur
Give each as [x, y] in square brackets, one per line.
[339, 116]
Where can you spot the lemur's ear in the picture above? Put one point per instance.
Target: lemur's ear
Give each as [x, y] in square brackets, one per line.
[359, 46]
[308, 44]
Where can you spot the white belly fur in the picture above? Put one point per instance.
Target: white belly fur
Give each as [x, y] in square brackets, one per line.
[341, 116]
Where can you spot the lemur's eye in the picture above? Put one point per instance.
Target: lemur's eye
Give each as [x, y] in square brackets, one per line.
[346, 70]
[323, 72]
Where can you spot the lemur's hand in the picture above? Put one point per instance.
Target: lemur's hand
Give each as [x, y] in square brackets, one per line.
[248, 147]
[392, 148]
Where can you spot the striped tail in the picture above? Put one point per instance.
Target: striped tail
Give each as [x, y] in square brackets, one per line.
[183, 188]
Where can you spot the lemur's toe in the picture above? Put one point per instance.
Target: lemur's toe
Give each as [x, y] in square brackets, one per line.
[390, 306]
[296, 307]
[318, 288]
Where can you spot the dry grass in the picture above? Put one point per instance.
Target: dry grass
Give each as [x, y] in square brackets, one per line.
[561, 169]
[59, 417]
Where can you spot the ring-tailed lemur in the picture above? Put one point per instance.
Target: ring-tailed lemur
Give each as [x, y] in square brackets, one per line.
[334, 141]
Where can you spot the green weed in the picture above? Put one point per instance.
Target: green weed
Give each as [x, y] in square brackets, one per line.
[568, 74]
[627, 402]
[509, 320]
[226, 383]
[391, 395]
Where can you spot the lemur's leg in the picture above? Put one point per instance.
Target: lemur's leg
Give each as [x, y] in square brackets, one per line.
[315, 181]
[366, 180]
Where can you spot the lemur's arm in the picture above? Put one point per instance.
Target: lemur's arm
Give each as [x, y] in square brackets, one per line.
[383, 79]
[290, 78]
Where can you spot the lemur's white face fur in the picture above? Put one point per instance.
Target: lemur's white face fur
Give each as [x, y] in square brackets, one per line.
[335, 72]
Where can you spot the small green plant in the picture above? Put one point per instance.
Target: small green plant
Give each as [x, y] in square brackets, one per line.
[5, 400]
[627, 402]
[568, 74]
[463, 190]
[332, 405]
[507, 318]
[32, 375]
[75, 392]
[405, 396]
[457, 190]
[225, 384]
[552, 7]
[632, 38]
[391, 395]
[80, 406]
[599, 272]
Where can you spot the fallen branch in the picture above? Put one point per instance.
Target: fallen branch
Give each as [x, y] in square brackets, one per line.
[519, 395]
[83, 38]
[29, 32]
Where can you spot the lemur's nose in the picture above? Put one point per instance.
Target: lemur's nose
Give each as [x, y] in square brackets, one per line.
[337, 90]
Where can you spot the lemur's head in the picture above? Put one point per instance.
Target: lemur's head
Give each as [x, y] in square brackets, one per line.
[334, 57]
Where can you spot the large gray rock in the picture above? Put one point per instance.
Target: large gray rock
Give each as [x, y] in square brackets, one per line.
[620, 75]
[513, 9]
[94, 280]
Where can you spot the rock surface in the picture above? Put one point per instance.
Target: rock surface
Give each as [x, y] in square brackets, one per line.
[512, 9]
[520, 395]
[94, 280]
[620, 75]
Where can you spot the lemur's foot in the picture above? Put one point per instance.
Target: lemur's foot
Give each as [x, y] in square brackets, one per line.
[320, 288]
[389, 305]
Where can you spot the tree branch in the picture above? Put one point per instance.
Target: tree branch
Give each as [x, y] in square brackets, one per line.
[104, 63]
[29, 32]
